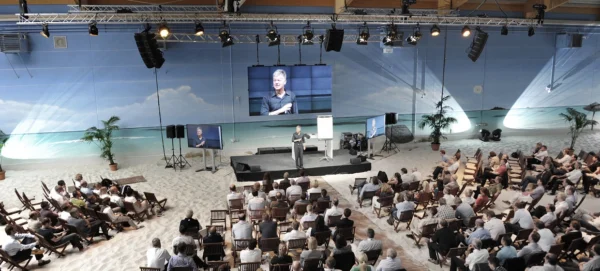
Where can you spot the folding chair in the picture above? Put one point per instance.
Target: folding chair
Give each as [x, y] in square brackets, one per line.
[413, 186]
[384, 203]
[12, 263]
[312, 197]
[50, 248]
[300, 209]
[346, 233]
[424, 199]
[576, 247]
[453, 252]
[323, 238]
[283, 267]
[536, 259]
[280, 214]
[358, 182]
[151, 198]
[239, 245]
[322, 206]
[522, 236]
[295, 244]
[269, 244]
[311, 264]
[405, 217]
[129, 207]
[308, 224]
[373, 256]
[214, 265]
[213, 249]
[332, 220]
[218, 216]
[149, 269]
[426, 232]
[367, 195]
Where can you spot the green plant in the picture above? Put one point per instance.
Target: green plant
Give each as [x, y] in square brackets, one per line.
[577, 121]
[2, 143]
[438, 122]
[103, 138]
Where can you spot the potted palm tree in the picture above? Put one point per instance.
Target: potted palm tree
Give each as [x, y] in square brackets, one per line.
[577, 121]
[103, 139]
[2, 172]
[437, 122]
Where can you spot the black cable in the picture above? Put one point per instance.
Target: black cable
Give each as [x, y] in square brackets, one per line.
[257, 58]
[300, 49]
[160, 115]
[477, 8]
[505, 16]
[321, 50]
[278, 55]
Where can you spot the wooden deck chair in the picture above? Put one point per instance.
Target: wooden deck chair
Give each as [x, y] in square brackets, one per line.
[358, 182]
[111, 224]
[471, 158]
[534, 203]
[10, 220]
[151, 198]
[269, 245]
[556, 249]
[414, 186]
[139, 216]
[284, 227]
[50, 248]
[576, 247]
[453, 252]
[218, 216]
[31, 203]
[424, 199]
[256, 215]
[472, 221]
[297, 244]
[10, 212]
[280, 214]
[367, 195]
[323, 238]
[405, 217]
[346, 233]
[579, 204]
[384, 203]
[12, 263]
[427, 231]
[142, 268]
[73, 229]
[213, 250]
[45, 188]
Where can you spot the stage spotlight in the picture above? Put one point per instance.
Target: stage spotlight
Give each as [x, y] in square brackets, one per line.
[466, 31]
[531, 31]
[391, 36]
[93, 29]
[45, 32]
[504, 30]
[273, 36]
[435, 30]
[496, 135]
[363, 35]
[308, 34]
[199, 29]
[415, 37]
[163, 30]
[226, 39]
[484, 135]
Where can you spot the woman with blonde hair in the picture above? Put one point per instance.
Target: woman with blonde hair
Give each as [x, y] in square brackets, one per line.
[363, 264]
[312, 252]
[385, 190]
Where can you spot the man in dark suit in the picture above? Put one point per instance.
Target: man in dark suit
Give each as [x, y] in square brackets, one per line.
[213, 237]
[443, 240]
[573, 232]
[268, 227]
[190, 224]
[344, 223]
[279, 203]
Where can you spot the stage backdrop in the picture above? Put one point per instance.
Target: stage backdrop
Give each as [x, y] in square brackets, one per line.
[72, 89]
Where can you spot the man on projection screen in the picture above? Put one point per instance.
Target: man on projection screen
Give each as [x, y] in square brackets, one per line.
[281, 101]
[200, 141]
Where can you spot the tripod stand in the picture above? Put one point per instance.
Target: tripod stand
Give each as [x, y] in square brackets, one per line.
[389, 145]
[181, 160]
[173, 161]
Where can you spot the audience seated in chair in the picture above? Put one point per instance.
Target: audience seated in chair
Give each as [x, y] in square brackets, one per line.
[344, 223]
[117, 218]
[333, 211]
[417, 223]
[391, 262]
[531, 248]
[190, 225]
[444, 211]
[87, 227]
[464, 211]
[279, 201]
[21, 251]
[550, 263]
[314, 188]
[181, 259]
[268, 227]
[311, 252]
[468, 198]
[187, 240]
[480, 233]
[213, 237]
[442, 241]
[329, 264]
[404, 204]
[233, 194]
[273, 193]
[370, 186]
[282, 256]
[522, 219]
[588, 220]
[256, 202]
[370, 243]
[594, 263]
[475, 254]
[251, 254]
[362, 264]
[309, 216]
[46, 212]
[294, 190]
[242, 229]
[571, 233]
[494, 264]
[295, 233]
[48, 232]
[494, 225]
[508, 251]
[303, 178]
[546, 236]
[320, 226]
[156, 256]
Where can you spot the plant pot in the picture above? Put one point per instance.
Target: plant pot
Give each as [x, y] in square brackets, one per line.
[435, 146]
[113, 167]
[2, 175]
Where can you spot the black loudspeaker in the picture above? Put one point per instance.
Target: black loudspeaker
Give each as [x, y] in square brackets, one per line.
[334, 39]
[170, 131]
[362, 158]
[180, 131]
[391, 118]
[353, 152]
[478, 44]
[148, 48]
[576, 40]
[355, 161]
[242, 167]
[254, 168]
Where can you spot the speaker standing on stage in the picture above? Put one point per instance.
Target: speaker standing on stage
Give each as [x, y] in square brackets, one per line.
[298, 139]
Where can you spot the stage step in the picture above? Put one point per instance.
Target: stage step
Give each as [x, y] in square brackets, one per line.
[309, 148]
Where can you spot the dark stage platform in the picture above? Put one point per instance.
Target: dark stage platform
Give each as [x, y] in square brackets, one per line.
[280, 163]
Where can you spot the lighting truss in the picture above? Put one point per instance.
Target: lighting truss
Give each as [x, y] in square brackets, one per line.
[142, 8]
[414, 12]
[191, 18]
[249, 38]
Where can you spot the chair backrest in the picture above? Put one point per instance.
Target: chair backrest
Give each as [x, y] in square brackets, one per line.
[278, 213]
[257, 214]
[333, 219]
[577, 244]
[312, 264]
[481, 267]
[236, 204]
[472, 221]
[359, 181]
[103, 217]
[347, 233]
[556, 249]
[214, 265]
[212, 249]
[413, 186]
[406, 216]
[368, 194]
[454, 224]
[269, 244]
[428, 230]
[150, 197]
[580, 202]
[523, 234]
[536, 259]
[456, 252]
[304, 186]
[218, 215]
[129, 206]
[297, 243]
[373, 255]
[149, 269]
[313, 196]
[181, 268]
[488, 243]
[592, 242]
[308, 224]
[323, 237]
[516, 264]
[240, 244]
[323, 205]
[386, 201]
[533, 203]
[300, 208]
[282, 267]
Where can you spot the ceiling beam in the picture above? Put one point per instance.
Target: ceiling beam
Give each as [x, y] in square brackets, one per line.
[445, 5]
[550, 4]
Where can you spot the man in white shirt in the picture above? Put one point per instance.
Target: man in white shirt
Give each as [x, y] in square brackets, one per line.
[156, 256]
[454, 166]
[546, 236]
[538, 157]
[233, 194]
[531, 248]
[273, 193]
[295, 233]
[314, 189]
[571, 198]
[333, 211]
[251, 254]
[408, 178]
[561, 204]
[308, 216]
[85, 189]
[242, 229]
[391, 263]
[78, 179]
[117, 218]
[469, 197]
[370, 243]
[256, 202]
[549, 217]
[66, 212]
[417, 176]
[20, 251]
[522, 219]
[494, 225]
[115, 198]
[294, 189]
[56, 194]
[478, 255]
[369, 187]
[403, 205]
